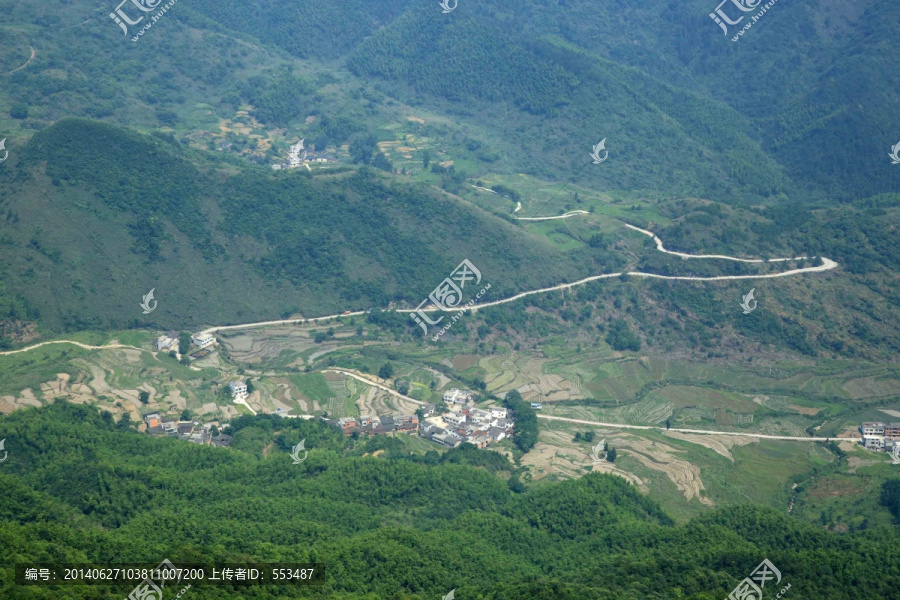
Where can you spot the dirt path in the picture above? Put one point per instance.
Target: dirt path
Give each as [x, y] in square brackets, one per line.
[573, 213]
[653, 427]
[79, 344]
[368, 381]
[245, 404]
[30, 58]
[483, 189]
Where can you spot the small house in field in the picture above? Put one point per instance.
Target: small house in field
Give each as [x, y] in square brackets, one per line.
[238, 390]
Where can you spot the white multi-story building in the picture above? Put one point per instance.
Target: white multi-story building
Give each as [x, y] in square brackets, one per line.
[873, 442]
[499, 413]
[456, 396]
[202, 340]
[238, 390]
[872, 429]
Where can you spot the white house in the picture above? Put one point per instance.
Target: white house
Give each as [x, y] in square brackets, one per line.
[238, 389]
[873, 442]
[499, 413]
[202, 340]
[455, 418]
[456, 396]
[872, 429]
[479, 414]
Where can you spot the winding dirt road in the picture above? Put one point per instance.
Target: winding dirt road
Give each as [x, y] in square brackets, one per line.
[655, 428]
[27, 62]
[79, 344]
[827, 265]
[573, 213]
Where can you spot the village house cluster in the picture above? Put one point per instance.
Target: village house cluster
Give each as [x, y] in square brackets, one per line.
[461, 422]
[190, 431]
[880, 436]
[201, 343]
[375, 425]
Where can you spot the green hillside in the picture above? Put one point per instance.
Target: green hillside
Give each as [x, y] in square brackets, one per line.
[81, 488]
[140, 212]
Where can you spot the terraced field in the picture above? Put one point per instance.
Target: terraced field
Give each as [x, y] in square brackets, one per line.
[531, 377]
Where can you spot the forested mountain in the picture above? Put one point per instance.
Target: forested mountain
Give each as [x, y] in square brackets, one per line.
[80, 488]
[137, 213]
[789, 138]
[811, 93]
[162, 159]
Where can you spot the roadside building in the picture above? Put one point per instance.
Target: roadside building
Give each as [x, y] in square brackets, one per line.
[202, 340]
[876, 428]
[873, 442]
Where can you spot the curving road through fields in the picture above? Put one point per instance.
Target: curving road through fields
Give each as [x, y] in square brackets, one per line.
[827, 265]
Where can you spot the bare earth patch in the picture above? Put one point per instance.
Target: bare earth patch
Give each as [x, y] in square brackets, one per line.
[855, 462]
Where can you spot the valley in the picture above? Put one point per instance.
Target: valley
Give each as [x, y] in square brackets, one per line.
[472, 301]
